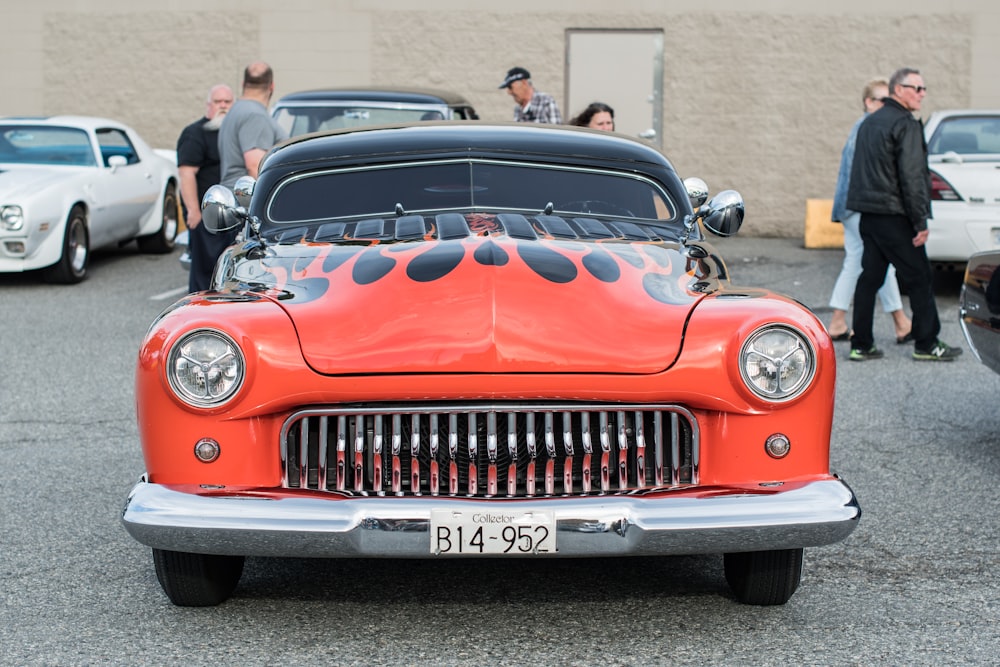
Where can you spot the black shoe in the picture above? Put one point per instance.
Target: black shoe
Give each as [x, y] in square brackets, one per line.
[940, 352]
[857, 354]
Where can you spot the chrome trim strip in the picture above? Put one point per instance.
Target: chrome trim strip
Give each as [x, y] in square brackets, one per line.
[452, 454]
[675, 452]
[359, 454]
[304, 453]
[473, 448]
[605, 453]
[377, 445]
[341, 452]
[397, 448]
[512, 452]
[622, 452]
[324, 431]
[658, 447]
[729, 519]
[435, 478]
[414, 451]
[640, 446]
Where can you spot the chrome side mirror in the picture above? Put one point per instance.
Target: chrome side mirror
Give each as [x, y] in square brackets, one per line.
[219, 211]
[697, 191]
[243, 189]
[723, 215]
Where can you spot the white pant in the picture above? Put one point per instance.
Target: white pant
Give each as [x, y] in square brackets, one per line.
[843, 289]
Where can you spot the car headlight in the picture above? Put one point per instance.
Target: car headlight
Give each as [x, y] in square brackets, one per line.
[206, 368]
[12, 218]
[777, 363]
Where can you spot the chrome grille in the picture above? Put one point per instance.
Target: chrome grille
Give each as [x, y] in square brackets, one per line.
[486, 450]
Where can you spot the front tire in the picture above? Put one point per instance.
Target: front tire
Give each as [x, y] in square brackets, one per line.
[197, 580]
[162, 241]
[72, 265]
[764, 577]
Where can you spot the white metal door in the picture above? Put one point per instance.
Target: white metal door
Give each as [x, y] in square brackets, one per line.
[622, 68]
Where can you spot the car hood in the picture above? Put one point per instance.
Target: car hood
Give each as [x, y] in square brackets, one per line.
[484, 304]
[976, 181]
[18, 184]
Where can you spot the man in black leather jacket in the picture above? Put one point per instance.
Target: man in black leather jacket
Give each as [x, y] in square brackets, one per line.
[890, 187]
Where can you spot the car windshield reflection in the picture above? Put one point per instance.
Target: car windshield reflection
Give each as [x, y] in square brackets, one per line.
[298, 120]
[45, 145]
[967, 135]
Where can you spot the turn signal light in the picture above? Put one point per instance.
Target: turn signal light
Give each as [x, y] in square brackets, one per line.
[777, 446]
[207, 450]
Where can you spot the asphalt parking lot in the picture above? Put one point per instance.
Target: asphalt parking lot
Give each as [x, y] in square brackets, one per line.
[915, 584]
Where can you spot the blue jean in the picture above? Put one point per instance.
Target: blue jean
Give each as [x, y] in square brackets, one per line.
[843, 289]
[205, 248]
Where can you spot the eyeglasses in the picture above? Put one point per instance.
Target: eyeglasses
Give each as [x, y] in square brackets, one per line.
[916, 89]
[877, 99]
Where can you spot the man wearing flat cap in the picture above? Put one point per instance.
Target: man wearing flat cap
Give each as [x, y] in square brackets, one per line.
[532, 106]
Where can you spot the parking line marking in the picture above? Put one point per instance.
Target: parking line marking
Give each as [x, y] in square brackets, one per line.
[169, 295]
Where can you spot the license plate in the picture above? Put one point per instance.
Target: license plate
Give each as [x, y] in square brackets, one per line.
[492, 532]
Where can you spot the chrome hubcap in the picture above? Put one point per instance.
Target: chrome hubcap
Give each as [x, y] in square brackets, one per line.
[77, 248]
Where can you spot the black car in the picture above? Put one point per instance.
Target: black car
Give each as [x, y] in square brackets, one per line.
[979, 307]
[340, 108]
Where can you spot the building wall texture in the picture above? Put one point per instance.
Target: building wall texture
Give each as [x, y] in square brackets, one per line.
[758, 95]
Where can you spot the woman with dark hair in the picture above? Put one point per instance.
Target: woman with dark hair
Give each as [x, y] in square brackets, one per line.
[598, 116]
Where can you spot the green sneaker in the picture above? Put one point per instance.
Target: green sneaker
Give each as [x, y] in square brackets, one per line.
[857, 354]
[940, 352]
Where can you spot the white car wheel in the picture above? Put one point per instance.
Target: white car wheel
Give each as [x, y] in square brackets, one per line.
[72, 265]
[163, 240]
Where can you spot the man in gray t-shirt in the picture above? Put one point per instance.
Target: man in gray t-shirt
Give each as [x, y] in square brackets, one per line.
[248, 131]
[246, 135]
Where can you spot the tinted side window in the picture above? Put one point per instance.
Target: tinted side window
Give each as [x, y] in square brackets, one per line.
[115, 142]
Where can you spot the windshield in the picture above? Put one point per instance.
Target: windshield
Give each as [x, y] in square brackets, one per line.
[45, 145]
[464, 185]
[298, 120]
[967, 135]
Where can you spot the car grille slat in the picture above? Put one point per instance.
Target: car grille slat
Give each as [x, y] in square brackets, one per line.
[489, 450]
[341, 452]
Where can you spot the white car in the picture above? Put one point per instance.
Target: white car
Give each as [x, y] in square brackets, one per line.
[69, 184]
[964, 160]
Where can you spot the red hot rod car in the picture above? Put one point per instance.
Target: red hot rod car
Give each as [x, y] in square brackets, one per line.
[463, 340]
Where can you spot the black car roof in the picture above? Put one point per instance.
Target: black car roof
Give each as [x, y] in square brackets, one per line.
[377, 94]
[468, 139]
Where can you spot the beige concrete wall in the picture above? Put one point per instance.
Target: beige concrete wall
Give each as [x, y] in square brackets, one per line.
[759, 94]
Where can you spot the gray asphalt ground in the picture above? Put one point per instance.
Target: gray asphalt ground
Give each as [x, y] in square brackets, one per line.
[916, 583]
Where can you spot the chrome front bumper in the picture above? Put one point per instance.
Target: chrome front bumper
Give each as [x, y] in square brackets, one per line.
[720, 521]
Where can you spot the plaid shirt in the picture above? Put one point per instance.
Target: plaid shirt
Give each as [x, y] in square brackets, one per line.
[541, 109]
